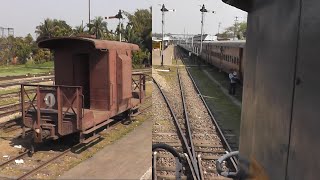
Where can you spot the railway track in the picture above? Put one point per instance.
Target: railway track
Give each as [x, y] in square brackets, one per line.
[229, 134]
[35, 168]
[9, 109]
[32, 169]
[16, 107]
[28, 80]
[196, 134]
[46, 78]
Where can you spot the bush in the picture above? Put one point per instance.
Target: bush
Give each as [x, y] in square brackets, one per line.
[42, 56]
[138, 57]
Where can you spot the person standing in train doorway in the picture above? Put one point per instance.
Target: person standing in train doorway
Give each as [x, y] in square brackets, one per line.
[233, 78]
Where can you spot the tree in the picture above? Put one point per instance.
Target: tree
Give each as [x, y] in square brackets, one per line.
[53, 28]
[237, 29]
[130, 35]
[243, 29]
[22, 49]
[42, 55]
[140, 27]
[98, 27]
[78, 30]
[119, 29]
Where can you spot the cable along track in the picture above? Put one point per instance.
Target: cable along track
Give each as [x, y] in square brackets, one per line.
[199, 136]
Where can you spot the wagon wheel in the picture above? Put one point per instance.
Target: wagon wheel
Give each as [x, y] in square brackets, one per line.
[31, 149]
[127, 117]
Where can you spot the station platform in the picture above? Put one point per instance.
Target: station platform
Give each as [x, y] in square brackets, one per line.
[128, 158]
[167, 59]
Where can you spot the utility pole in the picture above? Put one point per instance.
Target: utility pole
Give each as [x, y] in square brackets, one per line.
[235, 27]
[117, 16]
[202, 10]
[89, 17]
[184, 33]
[219, 28]
[163, 10]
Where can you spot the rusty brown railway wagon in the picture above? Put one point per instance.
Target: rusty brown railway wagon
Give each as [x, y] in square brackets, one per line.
[93, 84]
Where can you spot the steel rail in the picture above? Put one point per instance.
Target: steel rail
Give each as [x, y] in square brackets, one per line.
[187, 122]
[180, 133]
[220, 133]
[45, 164]
[10, 160]
[9, 106]
[58, 156]
[7, 113]
[27, 81]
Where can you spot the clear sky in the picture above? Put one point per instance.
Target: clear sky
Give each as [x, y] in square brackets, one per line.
[25, 15]
[188, 16]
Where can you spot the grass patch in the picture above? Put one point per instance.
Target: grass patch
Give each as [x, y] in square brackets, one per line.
[6, 91]
[225, 111]
[170, 76]
[7, 101]
[223, 79]
[17, 70]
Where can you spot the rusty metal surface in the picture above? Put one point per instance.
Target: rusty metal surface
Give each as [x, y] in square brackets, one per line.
[303, 161]
[59, 118]
[54, 43]
[269, 75]
[93, 83]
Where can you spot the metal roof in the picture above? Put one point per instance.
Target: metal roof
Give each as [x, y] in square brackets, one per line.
[244, 5]
[54, 43]
[239, 43]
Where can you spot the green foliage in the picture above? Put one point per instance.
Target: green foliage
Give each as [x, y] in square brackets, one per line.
[98, 27]
[238, 29]
[79, 30]
[42, 56]
[16, 50]
[53, 28]
[138, 57]
[24, 50]
[32, 64]
[139, 28]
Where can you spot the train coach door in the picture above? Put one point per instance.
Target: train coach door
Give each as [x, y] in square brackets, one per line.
[81, 76]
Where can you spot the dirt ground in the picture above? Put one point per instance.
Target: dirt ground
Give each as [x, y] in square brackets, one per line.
[128, 158]
[168, 56]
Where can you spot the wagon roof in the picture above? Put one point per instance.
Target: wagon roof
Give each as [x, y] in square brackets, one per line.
[53, 43]
[239, 43]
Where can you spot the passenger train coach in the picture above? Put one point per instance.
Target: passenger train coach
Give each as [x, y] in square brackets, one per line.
[225, 55]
